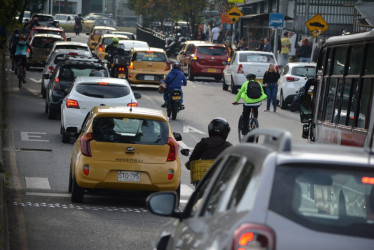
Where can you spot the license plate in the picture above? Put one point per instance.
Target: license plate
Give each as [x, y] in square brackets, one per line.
[210, 70]
[129, 176]
[176, 97]
[259, 80]
[149, 78]
[121, 75]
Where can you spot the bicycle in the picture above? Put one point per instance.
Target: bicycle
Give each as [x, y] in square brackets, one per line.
[253, 124]
[20, 73]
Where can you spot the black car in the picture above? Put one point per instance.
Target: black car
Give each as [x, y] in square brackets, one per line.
[63, 77]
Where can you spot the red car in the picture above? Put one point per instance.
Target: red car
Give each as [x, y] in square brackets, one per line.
[46, 30]
[203, 59]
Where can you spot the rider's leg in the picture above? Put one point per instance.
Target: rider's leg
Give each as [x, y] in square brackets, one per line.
[268, 100]
[246, 112]
[255, 112]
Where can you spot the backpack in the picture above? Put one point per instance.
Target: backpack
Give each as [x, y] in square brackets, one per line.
[254, 90]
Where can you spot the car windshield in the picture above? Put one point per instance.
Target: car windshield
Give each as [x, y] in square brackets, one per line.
[212, 51]
[70, 73]
[44, 42]
[130, 130]
[326, 198]
[150, 56]
[102, 32]
[104, 22]
[256, 57]
[304, 71]
[103, 91]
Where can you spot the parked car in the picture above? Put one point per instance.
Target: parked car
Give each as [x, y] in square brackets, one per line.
[96, 33]
[63, 77]
[43, 19]
[203, 59]
[26, 16]
[148, 65]
[41, 45]
[64, 18]
[125, 148]
[46, 30]
[53, 59]
[105, 40]
[275, 195]
[130, 35]
[244, 62]
[128, 45]
[293, 77]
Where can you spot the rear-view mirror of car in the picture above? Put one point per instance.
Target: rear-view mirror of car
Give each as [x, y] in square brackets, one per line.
[305, 108]
[137, 95]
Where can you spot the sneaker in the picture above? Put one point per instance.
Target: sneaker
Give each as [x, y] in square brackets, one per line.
[266, 110]
[164, 105]
[181, 106]
[274, 111]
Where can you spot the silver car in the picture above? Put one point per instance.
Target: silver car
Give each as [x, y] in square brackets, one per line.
[275, 195]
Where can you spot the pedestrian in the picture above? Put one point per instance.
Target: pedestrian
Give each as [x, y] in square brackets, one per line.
[207, 30]
[228, 35]
[220, 37]
[270, 81]
[242, 44]
[305, 51]
[229, 48]
[260, 46]
[215, 34]
[286, 45]
[267, 46]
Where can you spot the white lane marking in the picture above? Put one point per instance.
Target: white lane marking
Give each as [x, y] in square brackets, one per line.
[189, 129]
[28, 136]
[183, 145]
[34, 80]
[37, 182]
[183, 201]
[186, 190]
[48, 194]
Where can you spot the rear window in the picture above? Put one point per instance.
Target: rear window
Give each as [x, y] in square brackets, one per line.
[254, 57]
[44, 42]
[212, 51]
[70, 73]
[53, 32]
[104, 22]
[45, 18]
[72, 47]
[103, 91]
[150, 56]
[327, 198]
[130, 130]
[102, 32]
[130, 45]
[304, 71]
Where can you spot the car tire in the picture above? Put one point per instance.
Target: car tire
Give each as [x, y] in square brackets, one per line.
[174, 111]
[77, 193]
[70, 181]
[51, 114]
[65, 137]
[42, 90]
[46, 107]
[224, 84]
[178, 191]
[191, 77]
[234, 89]
[218, 78]
[282, 103]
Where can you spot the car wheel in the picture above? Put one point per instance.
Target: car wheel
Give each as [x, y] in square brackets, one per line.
[70, 181]
[282, 103]
[77, 193]
[174, 111]
[224, 84]
[178, 194]
[191, 77]
[51, 114]
[234, 89]
[65, 138]
[46, 107]
[42, 90]
[218, 78]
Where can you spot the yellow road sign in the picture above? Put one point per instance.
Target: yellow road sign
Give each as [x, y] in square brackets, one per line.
[317, 25]
[234, 14]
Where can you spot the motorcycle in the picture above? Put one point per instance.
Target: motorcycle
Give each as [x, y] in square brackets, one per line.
[172, 105]
[173, 47]
[118, 64]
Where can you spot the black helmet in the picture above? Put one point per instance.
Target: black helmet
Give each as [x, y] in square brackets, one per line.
[219, 127]
[177, 65]
[251, 76]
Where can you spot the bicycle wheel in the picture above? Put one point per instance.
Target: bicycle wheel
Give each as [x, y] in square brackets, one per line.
[253, 124]
[20, 76]
[240, 128]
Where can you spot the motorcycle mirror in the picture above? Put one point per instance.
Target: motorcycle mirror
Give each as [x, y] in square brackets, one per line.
[185, 152]
[177, 136]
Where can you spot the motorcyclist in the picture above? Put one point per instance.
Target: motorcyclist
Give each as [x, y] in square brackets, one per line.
[112, 50]
[210, 147]
[174, 80]
[12, 45]
[78, 24]
[249, 102]
[20, 53]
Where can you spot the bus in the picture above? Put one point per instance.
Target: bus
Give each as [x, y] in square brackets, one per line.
[340, 110]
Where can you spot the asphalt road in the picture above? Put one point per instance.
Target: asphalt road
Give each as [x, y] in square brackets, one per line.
[41, 215]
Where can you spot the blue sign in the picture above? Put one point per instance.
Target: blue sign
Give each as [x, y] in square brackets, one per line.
[276, 20]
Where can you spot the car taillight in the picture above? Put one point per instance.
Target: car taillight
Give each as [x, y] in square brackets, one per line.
[86, 170]
[28, 50]
[276, 68]
[51, 68]
[240, 69]
[72, 104]
[56, 85]
[170, 174]
[173, 151]
[132, 104]
[121, 69]
[101, 48]
[253, 236]
[73, 53]
[85, 144]
[167, 66]
[130, 75]
[131, 65]
[292, 79]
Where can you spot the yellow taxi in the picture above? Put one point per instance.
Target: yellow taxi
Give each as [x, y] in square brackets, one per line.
[105, 40]
[148, 65]
[96, 33]
[125, 148]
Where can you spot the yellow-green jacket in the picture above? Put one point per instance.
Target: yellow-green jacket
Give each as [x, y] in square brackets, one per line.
[243, 94]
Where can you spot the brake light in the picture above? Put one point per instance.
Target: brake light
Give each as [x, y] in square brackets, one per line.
[240, 69]
[101, 48]
[103, 83]
[367, 180]
[85, 144]
[173, 151]
[130, 75]
[121, 69]
[194, 58]
[28, 50]
[51, 68]
[131, 65]
[170, 174]
[149, 51]
[229, 59]
[72, 104]
[73, 53]
[132, 104]
[57, 79]
[276, 68]
[253, 236]
[86, 170]
[167, 66]
[292, 79]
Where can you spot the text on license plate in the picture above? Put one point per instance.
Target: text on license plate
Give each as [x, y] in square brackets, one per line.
[212, 70]
[149, 78]
[129, 176]
[176, 97]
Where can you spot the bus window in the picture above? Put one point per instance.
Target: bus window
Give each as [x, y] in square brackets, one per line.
[338, 100]
[365, 103]
[330, 99]
[347, 110]
[355, 60]
[321, 60]
[369, 65]
[353, 101]
[339, 60]
[322, 99]
[328, 61]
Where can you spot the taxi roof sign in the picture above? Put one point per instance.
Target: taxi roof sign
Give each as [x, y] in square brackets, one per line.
[317, 25]
[234, 14]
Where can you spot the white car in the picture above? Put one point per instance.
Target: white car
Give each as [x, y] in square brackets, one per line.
[293, 77]
[127, 45]
[244, 62]
[64, 18]
[70, 45]
[88, 92]
[53, 59]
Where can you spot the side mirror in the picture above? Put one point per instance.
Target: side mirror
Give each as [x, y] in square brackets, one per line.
[163, 203]
[68, 39]
[305, 134]
[177, 136]
[137, 95]
[305, 108]
[46, 76]
[87, 34]
[185, 152]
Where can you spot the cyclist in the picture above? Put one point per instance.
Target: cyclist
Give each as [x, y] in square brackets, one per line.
[174, 80]
[12, 45]
[210, 147]
[20, 53]
[252, 94]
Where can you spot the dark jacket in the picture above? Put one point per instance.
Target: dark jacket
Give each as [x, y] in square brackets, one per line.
[175, 79]
[270, 77]
[304, 51]
[267, 48]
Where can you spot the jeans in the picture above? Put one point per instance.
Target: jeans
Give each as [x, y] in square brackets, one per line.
[284, 59]
[271, 92]
[246, 113]
[167, 92]
[305, 59]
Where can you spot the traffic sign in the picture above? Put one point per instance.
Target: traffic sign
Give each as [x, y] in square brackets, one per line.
[234, 14]
[316, 25]
[276, 20]
[225, 19]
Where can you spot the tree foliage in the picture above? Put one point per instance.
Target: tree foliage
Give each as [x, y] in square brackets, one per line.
[8, 11]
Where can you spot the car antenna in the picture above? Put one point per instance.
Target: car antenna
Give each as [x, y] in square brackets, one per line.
[131, 105]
